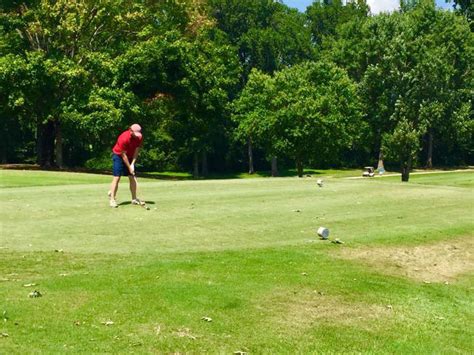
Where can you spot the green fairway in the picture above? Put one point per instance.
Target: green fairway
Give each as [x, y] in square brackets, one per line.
[242, 253]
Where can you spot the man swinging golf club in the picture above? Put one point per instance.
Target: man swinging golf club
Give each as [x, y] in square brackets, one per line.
[125, 154]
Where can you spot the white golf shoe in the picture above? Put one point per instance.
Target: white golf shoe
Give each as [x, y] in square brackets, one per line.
[137, 201]
[112, 202]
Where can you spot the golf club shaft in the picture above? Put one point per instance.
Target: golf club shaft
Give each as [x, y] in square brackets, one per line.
[136, 190]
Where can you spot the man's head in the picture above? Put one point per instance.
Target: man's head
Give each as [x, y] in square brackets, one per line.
[136, 130]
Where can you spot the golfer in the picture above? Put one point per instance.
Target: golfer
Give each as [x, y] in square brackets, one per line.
[125, 154]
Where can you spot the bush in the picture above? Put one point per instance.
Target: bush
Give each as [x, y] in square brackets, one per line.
[103, 162]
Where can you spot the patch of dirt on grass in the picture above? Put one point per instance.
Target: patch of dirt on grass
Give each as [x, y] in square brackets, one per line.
[438, 262]
[308, 308]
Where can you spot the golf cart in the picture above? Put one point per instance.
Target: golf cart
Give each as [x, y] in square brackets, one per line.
[369, 172]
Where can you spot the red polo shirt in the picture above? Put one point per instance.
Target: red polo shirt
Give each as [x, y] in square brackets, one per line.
[128, 144]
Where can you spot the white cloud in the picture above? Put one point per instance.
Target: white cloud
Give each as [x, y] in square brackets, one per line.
[377, 6]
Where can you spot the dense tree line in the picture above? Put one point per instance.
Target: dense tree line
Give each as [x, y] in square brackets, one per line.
[227, 84]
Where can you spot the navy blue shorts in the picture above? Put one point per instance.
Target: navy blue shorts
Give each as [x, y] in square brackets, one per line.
[118, 166]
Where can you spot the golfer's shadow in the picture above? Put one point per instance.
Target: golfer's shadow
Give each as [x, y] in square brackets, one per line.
[129, 203]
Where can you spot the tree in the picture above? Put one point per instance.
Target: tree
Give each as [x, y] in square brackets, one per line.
[317, 113]
[441, 68]
[402, 145]
[253, 114]
[211, 74]
[424, 64]
[309, 113]
[268, 36]
[14, 123]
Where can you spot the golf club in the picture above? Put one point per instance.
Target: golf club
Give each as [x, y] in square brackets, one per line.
[142, 203]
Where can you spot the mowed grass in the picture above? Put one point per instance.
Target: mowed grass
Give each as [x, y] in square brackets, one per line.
[25, 178]
[439, 178]
[243, 253]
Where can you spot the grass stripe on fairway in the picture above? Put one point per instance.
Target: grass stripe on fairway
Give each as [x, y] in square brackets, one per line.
[230, 214]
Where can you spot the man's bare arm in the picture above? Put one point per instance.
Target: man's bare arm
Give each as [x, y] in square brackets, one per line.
[135, 156]
[127, 163]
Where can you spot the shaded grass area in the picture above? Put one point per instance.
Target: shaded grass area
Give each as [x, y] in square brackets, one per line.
[320, 173]
[278, 299]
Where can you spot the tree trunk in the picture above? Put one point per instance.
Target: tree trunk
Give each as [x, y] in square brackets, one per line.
[49, 144]
[4, 155]
[406, 166]
[274, 166]
[4, 144]
[45, 144]
[429, 160]
[405, 173]
[39, 143]
[299, 167]
[205, 170]
[250, 151]
[3, 151]
[196, 165]
[380, 166]
[59, 145]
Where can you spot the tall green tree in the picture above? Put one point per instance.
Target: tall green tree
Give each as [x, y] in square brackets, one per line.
[14, 123]
[253, 115]
[419, 58]
[402, 145]
[211, 74]
[317, 113]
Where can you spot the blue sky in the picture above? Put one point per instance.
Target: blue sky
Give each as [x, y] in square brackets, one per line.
[375, 5]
